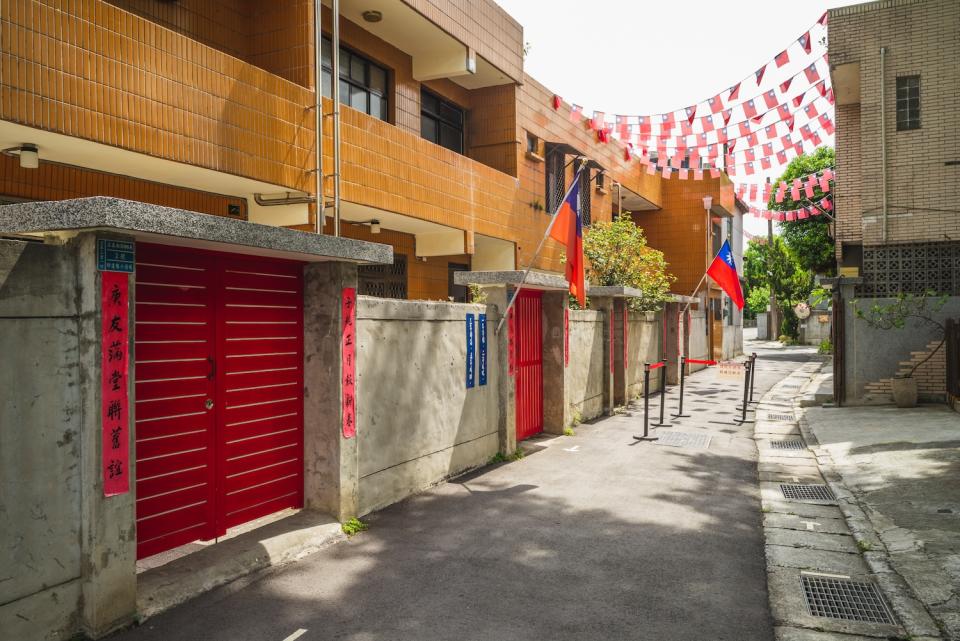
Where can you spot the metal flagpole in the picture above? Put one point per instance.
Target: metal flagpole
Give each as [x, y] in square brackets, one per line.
[553, 219]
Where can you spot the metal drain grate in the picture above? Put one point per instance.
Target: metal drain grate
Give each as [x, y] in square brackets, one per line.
[788, 445]
[844, 599]
[780, 417]
[683, 439]
[790, 386]
[798, 492]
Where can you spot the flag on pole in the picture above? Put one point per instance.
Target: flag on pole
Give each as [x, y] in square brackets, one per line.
[568, 229]
[723, 271]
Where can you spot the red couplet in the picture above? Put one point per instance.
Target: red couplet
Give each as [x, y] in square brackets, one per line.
[349, 368]
[115, 367]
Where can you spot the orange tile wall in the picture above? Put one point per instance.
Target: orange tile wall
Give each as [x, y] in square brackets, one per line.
[679, 228]
[59, 182]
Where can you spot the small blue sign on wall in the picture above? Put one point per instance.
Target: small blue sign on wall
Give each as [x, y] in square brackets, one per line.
[115, 255]
[471, 352]
[482, 329]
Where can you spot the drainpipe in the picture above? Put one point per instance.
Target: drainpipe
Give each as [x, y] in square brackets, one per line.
[335, 91]
[318, 113]
[883, 137]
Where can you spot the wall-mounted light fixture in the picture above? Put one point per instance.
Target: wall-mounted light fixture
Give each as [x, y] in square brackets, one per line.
[28, 153]
[707, 202]
[373, 224]
[372, 15]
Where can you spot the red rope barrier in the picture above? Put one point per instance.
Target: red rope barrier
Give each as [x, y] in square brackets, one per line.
[700, 362]
[657, 365]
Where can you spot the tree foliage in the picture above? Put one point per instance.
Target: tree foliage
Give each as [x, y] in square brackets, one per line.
[775, 266]
[809, 239]
[618, 254]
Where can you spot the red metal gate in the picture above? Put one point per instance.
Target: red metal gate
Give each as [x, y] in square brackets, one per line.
[528, 343]
[219, 393]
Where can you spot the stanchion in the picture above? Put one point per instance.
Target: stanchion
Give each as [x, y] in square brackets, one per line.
[662, 365]
[753, 374]
[646, 402]
[683, 376]
[746, 394]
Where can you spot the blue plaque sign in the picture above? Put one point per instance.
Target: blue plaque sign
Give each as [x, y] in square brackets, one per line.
[482, 329]
[115, 255]
[471, 352]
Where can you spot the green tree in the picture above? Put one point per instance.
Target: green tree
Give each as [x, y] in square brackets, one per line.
[778, 268]
[617, 254]
[809, 239]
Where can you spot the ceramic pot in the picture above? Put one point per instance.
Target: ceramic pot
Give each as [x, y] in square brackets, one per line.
[904, 392]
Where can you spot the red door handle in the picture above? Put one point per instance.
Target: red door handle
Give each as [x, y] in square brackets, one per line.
[213, 368]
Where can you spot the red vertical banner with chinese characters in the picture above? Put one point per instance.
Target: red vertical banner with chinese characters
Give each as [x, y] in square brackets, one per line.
[626, 335]
[610, 351]
[566, 336]
[115, 370]
[349, 361]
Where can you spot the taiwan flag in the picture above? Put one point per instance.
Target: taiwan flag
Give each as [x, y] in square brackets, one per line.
[568, 229]
[723, 271]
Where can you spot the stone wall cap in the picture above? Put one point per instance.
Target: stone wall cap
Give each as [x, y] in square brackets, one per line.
[614, 291]
[166, 225]
[535, 280]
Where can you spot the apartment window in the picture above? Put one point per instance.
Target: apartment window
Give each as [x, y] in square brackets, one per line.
[908, 103]
[556, 180]
[441, 121]
[363, 84]
[585, 195]
[533, 144]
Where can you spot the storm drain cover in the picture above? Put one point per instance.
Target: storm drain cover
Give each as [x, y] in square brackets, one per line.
[683, 439]
[780, 417]
[844, 599]
[797, 492]
[787, 445]
[790, 386]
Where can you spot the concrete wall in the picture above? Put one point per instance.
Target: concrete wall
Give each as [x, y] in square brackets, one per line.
[865, 364]
[816, 328]
[585, 372]
[643, 345]
[417, 423]
[699, 346]
[40, 425]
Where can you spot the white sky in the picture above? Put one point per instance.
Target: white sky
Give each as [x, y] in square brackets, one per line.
[652, 56]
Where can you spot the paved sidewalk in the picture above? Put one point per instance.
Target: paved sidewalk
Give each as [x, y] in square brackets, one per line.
[903, 469]
[590, 537]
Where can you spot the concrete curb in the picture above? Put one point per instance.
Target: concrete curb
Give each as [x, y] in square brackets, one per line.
[787, 604]
[918, 623]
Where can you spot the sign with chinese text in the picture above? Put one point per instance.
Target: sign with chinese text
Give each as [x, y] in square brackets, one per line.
[610, 351]
[566, 336]
[511, 343]
[114, 366]
[731, 369]
[482, 337]
[349, 362]
[115, 255]
[471, 352]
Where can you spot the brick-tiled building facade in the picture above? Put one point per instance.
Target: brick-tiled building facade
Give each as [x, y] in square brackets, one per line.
[898, 135]
[203, 105]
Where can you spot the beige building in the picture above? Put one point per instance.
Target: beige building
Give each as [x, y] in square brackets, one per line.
[897, 84]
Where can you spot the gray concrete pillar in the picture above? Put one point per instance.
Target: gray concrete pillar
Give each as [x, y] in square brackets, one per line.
[108, 541]
[330, 460]
[499, 295]
[604, 304]
[620, 327]
[555, 412]
[674, 337]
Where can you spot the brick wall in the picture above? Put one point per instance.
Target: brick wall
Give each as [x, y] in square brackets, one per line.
[930, 377]
[921, 38]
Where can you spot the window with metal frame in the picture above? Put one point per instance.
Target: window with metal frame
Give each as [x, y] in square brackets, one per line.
[441, 121]
[585, 195]
[556, 180]
[363, 83]
[908, 103]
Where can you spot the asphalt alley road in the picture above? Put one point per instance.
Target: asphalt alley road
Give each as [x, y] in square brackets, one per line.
[590, 537]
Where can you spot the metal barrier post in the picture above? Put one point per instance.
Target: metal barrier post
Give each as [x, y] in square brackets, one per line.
[663, 392]
[753, 374]
[646, 398]
[746, 393]
[683, 376]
